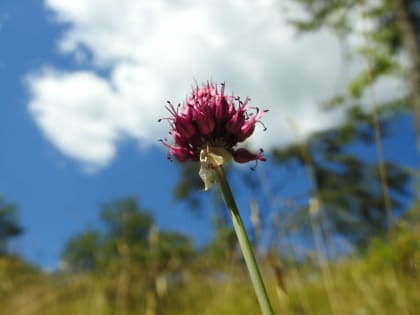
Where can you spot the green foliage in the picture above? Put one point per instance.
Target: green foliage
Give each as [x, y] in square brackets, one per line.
[349, 187]
[9, 226]
[382, 46]
[81, 251]
[401, 251]
[383, 65]
[125, 221]
[14, 272]
[189, 184]
[383, 281]
[189, 189]
[173, 250]
[125, 234]
[326, 13]
[401, 255]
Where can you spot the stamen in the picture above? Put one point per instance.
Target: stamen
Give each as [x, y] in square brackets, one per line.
[252, 168]
[260, 122]
[247, 99]
[164, 142]
[166, 118]
[170, 108]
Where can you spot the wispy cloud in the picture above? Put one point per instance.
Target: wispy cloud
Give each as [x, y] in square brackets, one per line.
[154, 50]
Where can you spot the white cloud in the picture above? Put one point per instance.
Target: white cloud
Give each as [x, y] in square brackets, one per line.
[76, 113]
[155, 49]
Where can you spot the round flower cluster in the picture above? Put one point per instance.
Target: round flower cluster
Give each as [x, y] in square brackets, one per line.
[211, 121]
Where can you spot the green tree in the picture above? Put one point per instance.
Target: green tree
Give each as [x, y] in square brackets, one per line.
[349, 187]
[394, 28]
[125, 224]
[9, 226]
[189, 189]
[125, 232]
[173, 248]
[82, 252]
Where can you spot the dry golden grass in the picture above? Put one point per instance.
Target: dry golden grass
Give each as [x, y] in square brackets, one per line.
[362, 287]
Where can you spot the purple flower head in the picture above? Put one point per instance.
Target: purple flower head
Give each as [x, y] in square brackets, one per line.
[208, 128]
[211, 121]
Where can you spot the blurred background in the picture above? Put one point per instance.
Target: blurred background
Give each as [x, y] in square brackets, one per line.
[95, 220]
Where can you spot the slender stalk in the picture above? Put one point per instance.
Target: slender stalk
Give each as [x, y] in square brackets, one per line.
[244, 243]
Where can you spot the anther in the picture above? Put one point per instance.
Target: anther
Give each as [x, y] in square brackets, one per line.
[260, 122]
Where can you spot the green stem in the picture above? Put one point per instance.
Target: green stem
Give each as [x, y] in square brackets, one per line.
[246, 248]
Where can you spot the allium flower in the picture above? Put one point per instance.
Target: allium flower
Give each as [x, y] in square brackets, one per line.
[209, 126]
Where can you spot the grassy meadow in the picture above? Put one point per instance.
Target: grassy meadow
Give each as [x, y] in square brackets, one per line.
[383, 280]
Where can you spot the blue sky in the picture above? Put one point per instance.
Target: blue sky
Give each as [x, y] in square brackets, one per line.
[82, 84]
